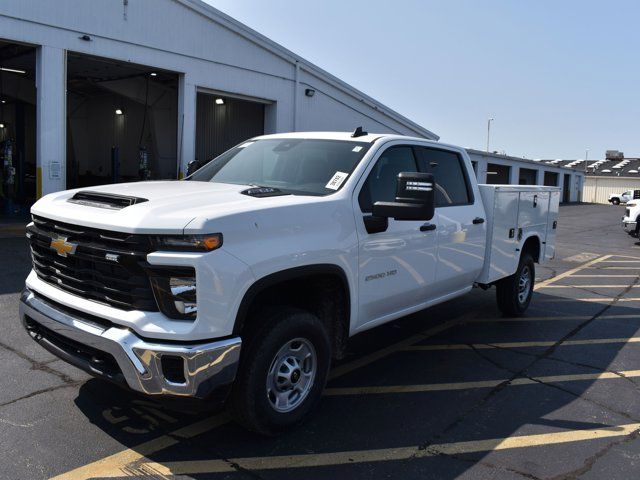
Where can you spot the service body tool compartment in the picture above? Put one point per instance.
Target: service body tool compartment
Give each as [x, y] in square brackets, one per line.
[514, 213]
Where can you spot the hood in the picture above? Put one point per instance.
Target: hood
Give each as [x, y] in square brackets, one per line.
[161, 207]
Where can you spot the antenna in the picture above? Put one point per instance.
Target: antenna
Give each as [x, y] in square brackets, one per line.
[358, 132]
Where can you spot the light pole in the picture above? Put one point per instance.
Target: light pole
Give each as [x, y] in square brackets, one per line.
[488, 131]
[586, 158]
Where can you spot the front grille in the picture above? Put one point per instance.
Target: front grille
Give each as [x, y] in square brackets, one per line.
[106, 266]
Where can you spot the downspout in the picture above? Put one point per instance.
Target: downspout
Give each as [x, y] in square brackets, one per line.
[296, 86]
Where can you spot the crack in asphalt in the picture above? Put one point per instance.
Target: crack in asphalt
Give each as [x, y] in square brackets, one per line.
[590, 461]
[493, 466]
[41, 366]
[523, 371]
[40, 392]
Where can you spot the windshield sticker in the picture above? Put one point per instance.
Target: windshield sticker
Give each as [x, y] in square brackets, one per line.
[357, 148]
[245, 145]
[336, 180]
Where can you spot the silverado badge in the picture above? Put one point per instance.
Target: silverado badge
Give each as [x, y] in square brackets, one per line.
[62, 247]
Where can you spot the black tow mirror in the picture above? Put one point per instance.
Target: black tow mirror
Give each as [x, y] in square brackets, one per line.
[192, 166]
[415, 198]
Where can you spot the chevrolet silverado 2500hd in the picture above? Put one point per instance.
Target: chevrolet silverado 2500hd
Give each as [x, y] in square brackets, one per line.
[251, 275]
[631, 217]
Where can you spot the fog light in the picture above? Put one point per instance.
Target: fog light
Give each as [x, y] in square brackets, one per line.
[175, 292]
[183, 291]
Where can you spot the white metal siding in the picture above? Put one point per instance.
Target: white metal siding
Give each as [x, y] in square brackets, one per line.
[598, 189]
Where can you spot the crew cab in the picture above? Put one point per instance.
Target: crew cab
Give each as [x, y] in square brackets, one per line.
[247, 278]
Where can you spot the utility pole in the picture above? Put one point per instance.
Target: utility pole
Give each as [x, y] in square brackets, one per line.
[488, 132]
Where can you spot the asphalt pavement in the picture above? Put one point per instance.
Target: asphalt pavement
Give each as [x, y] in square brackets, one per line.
[455, 391]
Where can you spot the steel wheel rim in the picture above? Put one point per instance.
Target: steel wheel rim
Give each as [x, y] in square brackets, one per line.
[291, 375]
[524, 284]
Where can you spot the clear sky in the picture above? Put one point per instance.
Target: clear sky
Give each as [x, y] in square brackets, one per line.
[558, 77]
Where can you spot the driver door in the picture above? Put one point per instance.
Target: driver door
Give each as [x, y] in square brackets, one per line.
[397, 266]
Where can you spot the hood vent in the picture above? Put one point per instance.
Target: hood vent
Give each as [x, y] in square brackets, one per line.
[105, 200]
[261, 192]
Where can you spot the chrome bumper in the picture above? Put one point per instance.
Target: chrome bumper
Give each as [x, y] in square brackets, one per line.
[117, 353]
[628, 226]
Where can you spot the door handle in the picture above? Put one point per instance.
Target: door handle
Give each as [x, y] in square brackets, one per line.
[427, 227]
[478, 221]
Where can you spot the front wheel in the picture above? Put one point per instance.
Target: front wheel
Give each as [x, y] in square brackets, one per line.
[514, 293]
[282, 372]
[615, 201]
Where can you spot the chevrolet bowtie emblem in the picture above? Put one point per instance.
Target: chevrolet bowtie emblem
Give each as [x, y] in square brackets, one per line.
[62, 247]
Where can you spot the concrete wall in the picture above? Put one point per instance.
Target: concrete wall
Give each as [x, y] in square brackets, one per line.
[210, 51]
[598, 189]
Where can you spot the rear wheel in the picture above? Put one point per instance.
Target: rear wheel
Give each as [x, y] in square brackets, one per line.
[282, 372]
[514, 292]
[615, 201]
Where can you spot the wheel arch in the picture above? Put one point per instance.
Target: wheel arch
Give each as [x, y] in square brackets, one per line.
[322, 289]
[532, 245]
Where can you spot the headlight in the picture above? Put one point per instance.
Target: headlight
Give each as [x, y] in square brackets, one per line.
[175, 292]
[190, 243]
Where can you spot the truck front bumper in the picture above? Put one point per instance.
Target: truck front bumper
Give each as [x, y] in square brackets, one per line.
[116, 353]
[629, 226]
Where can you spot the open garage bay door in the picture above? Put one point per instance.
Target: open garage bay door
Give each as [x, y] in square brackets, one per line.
[121, 122]
[17, 129]
[222, 122]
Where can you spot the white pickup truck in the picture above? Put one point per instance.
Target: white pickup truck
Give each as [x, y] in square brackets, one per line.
[631, 217]
[250, 276]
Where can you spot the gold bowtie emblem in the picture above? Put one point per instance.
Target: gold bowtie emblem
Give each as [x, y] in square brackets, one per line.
[62, 247]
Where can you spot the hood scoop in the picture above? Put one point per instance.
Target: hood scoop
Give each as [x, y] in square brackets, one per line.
[105, 200]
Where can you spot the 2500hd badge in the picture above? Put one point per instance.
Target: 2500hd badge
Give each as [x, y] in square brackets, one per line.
[378, 276]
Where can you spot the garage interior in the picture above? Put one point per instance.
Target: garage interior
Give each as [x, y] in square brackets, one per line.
[122, 122]
[222, 122]
[498, 174]
[550, 179]
[17, 128]
[527, 176]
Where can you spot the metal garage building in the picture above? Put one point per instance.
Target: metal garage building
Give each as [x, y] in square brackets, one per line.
[494, 168]
[118, 90]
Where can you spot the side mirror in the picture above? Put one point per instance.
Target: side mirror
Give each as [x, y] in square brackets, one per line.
[192, 166]
[415, 198]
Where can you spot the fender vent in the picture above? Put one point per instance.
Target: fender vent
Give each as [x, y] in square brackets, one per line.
[105, 200]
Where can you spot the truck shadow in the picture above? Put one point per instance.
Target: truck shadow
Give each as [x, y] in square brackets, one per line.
[377, 426]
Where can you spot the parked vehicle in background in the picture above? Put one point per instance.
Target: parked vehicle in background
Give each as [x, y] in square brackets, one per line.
[618, 198]
[631, 217]
[251, 275]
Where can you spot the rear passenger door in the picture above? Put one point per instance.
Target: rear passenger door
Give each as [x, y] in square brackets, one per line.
[460, 216]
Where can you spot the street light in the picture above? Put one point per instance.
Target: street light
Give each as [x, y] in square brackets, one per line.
[488, 131]
[586, 159]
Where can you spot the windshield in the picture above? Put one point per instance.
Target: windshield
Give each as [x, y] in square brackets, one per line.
[297, 166]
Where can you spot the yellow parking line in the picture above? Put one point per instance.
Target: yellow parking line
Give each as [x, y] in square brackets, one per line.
[311, 460]
[568, 273]
[603, 276]
[484, 346]
[552, 318]
[439, 387]
[106, 467]
[591, 286]
[622, 261]
[589, 299]
[618, 268]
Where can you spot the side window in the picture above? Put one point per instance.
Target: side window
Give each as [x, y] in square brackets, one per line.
[380, 185]
[452, 184]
